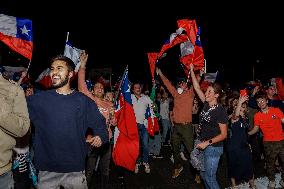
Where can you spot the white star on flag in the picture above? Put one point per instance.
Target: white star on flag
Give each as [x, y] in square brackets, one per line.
[128, 90]
[25, 30]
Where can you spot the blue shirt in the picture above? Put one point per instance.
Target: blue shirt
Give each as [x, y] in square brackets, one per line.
[60, 123]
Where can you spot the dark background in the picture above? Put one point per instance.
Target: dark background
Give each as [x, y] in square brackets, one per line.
[236, 37]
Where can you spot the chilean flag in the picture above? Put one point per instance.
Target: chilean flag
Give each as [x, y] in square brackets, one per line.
[44, 79]
[126, 139]
[152, 121]
[17, 34]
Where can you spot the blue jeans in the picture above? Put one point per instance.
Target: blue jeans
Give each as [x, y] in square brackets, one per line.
[211, 160]
[166, 127]
[144, 140]
[6, 180]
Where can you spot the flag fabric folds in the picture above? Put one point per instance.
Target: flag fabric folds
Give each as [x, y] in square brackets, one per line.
[152, 59]
[191, 50]
[126, 138]
[151, 114]
[73, 53]
[44, 79]
[187, 36]
[17, 34]
[210, 77]
[152, 121]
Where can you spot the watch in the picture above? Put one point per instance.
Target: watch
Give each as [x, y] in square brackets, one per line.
[210, 141]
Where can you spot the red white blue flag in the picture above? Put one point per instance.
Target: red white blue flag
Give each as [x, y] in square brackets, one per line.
[17, 34]
[126, 138]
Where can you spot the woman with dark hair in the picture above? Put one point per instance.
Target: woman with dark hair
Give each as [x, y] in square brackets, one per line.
[213, 129]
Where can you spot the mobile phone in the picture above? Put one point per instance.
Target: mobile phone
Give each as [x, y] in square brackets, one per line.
[243, 92]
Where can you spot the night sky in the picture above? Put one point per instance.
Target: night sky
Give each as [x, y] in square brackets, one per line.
[235, 37]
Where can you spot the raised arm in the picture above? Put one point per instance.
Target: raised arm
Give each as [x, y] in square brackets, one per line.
[82, 86]
[167, 83]
[196, 85]
[236, 113]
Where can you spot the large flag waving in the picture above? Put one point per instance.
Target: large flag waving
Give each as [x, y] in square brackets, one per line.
[126, 138]
[175, 39]
[191, 50]
[17, 34]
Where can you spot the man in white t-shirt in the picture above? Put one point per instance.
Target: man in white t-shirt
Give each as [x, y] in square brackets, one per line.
[140, 104]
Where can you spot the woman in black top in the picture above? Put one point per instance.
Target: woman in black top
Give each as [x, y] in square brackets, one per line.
[239, 153]
[213, 130]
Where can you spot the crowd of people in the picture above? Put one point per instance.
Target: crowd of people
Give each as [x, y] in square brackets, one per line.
[62, 136]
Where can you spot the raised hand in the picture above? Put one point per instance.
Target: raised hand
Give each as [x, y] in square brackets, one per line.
[83, 59]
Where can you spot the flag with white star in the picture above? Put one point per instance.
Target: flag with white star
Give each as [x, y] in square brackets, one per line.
[126, 139]
[17, 34]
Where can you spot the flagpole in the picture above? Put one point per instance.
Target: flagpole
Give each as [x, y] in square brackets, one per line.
[29, 66]
[67, 37]
[117, 94]
[205, 66]
[110, 80]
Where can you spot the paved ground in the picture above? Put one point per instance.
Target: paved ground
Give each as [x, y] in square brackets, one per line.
[160, 176]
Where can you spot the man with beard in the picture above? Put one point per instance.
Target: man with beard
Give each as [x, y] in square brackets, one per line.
[61, 117]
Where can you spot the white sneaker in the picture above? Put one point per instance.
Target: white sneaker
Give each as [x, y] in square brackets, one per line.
[137, 168]
[182, 156]
[147, 167]
[172, 158]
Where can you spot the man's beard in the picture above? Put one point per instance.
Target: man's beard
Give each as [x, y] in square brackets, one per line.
[61, 84]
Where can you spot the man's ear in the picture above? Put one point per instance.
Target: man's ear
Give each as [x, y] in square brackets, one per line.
[71, 74]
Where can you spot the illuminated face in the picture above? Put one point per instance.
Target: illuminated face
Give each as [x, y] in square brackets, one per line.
[99, 90]
[262, 103]
[59, 74]
[210, 94]
[183, 85]
[137, 89]
[271, 91]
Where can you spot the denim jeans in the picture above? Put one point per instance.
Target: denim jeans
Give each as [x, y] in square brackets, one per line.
[144, 140]
[6, 180]
[211, 160]
[166, 124]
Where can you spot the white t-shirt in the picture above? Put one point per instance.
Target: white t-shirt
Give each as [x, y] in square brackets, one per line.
[140, 105]
[164, 109]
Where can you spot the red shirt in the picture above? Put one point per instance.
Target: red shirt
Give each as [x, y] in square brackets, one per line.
[270, 124]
